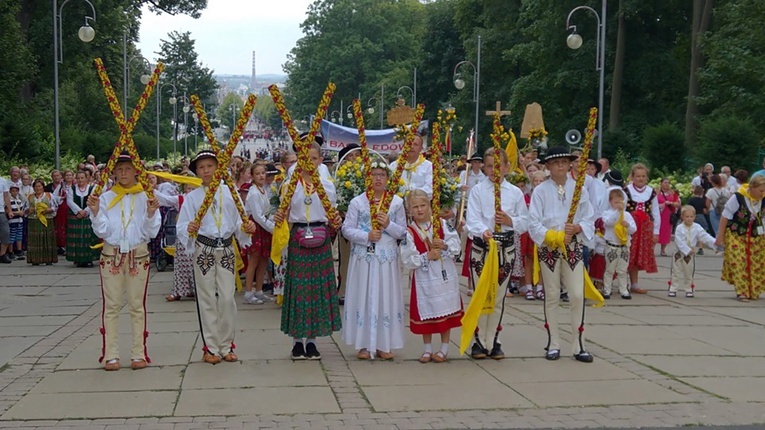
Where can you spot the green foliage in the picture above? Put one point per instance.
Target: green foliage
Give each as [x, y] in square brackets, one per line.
[231, 102]
[620, 140]
[730, 141]
[664, 148]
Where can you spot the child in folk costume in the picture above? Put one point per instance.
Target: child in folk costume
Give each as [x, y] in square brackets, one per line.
[742, 232]
[619, 226]
[126, 219]
[310, 307]
[257, 206]
[41, 246]
[80, 236]
[643, 205]
[373, 316]
[687, 237]
[214, 258]
[548, 216]
[481, 219]
[435, 306]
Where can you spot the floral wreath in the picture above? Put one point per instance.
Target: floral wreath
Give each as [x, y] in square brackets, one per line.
[380, 165]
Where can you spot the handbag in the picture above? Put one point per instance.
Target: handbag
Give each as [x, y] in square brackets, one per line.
[312, 237]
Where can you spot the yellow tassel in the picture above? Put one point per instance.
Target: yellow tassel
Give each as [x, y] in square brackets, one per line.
[280, 240]
[486, 288]
[621, 231]
[555, 240]
[239, 265]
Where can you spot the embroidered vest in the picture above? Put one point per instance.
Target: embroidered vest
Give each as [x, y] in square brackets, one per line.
[744, 222]
[632, 205]
[81, 201]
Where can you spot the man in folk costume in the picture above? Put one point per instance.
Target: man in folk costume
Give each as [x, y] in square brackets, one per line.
[561, 248]
[481, 219]
[126, 219]
[418, 172]
[214, 259]
[469, 179]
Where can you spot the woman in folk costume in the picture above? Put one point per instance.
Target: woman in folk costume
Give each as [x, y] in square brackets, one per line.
[183, 266]
[126, 219]
[435, 306]
[214, 257]
[80, 236]
[418, 172]
[62, 211]
[41, 245]
[561, 248]
[310, 308]
[742, 232]
[643, 205]
[373, 316]
[481, 221]
[257, 207]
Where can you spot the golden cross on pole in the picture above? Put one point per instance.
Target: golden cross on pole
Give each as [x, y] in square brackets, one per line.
[125, 141]
[499, 111]
[223, 154]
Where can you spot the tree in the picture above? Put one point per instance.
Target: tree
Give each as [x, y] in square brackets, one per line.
[728, 141]
[231, 102]
[664, 148]
[702, 16]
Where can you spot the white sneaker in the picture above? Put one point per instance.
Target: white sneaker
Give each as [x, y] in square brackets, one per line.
[250, 299]
[260, 295]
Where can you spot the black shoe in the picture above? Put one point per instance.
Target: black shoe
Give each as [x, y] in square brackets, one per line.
[496, 352]
[584, 357]
[311, 352]
[5, 259]
[478, 353]
[269, 288]
[627, 296]
[606, 296]
[298, 352]
[701, 252]
[61, 251]
[341, 301]
[553, 354]
[564, 297]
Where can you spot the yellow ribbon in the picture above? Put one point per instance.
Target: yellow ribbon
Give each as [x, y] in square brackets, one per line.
[122, 192]
[487, 288]
[621, 231]
[239, 266]
[512, 153]
[744, 191]
[40, 208]
[279, 241]
[179, 179]
[555, 240]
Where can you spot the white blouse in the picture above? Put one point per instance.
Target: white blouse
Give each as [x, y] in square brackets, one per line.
[413, 259]
[310, 210]
[257, 206]
[642, 197]
[687, 238]
[480, 208]
[417, 178]
[80, 193]
[120, 223]
[549, 211]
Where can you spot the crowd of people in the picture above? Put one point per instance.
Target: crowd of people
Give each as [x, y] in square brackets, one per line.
[548, 245]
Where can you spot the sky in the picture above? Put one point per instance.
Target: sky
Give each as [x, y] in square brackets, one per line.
[229, 30]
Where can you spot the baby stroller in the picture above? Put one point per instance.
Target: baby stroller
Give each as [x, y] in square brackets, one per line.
[167, 255]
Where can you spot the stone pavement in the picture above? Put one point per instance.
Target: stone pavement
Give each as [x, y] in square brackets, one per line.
[660, 362]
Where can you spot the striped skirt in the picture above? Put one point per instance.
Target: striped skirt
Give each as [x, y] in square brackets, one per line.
[79, 239]
[41, 248]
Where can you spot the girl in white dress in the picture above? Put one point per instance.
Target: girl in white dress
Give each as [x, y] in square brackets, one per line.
[373, 317]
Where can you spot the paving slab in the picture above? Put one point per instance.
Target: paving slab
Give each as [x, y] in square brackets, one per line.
[257, 401]
[165, 349]
[411, 372]
[152, 378]
[25, 309]
[740, 389]
[250, 373]
[17, 280]
[93, 405]
[585, 393]
[729, 338]
[79, 280]
[468, 395]
[706, 366]
[57, 320]
[13, 346]
[29, 330]
[626, 345]
[540, 370]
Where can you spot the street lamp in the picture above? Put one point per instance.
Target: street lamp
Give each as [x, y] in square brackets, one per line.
[172, 100]
[400, 97]
[196, 127]
[334, 115]
[145, 77]
[459, 83]
[86, 34]
[371, 108]
[349, 114]
[186, 109]
[574, 41]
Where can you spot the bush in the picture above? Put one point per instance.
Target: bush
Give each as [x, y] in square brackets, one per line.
[664, 147]
[728, 141]
[618, 140]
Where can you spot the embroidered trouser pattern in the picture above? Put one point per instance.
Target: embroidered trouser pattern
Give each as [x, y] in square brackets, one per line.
[682, 272]
[215, 283]
[129, 273]
[489, 326]
[558, 271]
[617, 263]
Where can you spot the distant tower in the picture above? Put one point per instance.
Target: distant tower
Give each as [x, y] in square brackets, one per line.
[252, 79]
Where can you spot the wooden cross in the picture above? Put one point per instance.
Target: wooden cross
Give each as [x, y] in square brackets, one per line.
[125, 141]
[499, 111]
[223, 155]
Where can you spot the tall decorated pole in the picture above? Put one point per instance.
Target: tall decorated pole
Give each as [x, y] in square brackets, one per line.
[463, 193]
[359, 116]
[435, 202]
[582, 167]
[401, 163]
[495, 138]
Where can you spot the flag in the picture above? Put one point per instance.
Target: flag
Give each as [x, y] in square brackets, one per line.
[512, 153]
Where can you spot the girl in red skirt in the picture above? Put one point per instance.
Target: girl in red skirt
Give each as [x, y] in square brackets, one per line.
[257, 207]
[643, 205]
[435, 306]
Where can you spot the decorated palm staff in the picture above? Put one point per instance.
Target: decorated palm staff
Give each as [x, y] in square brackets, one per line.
[419, 171]
[126, 219]
[367, 165]
[310, 306]
[435, 202]
[496, 210]
[561, 221]
[125, 142]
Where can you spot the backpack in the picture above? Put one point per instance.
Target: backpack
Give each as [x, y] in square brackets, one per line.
[722, 199]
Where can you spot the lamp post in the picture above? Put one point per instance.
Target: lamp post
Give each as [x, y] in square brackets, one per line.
[145, 77]
[400, 97]
[459, 83]
[86, 34]
[196, 126]
[349, 113]
[335, 115]
[186, 109]
[574, 41]
[172, 100]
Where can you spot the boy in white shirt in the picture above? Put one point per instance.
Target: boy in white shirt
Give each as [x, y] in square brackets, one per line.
[126, 219]
[214, 258]
[687, 237]
[619, 227]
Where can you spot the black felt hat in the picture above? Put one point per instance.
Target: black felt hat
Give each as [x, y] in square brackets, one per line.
[476, 157]
[318, 139]
[125, 156]
[201, 155]
[348, 148]
[558, 152]
[598, 166]
[614, 177]
[271, 169]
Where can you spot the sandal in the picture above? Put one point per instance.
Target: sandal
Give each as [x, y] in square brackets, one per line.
[530, 295]
[173, 298]
[384, 355]
[426, 357]
[671, 294]
[508, 294]
[439, 357]
[363, 355]
[540, 295]
[742, 298]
